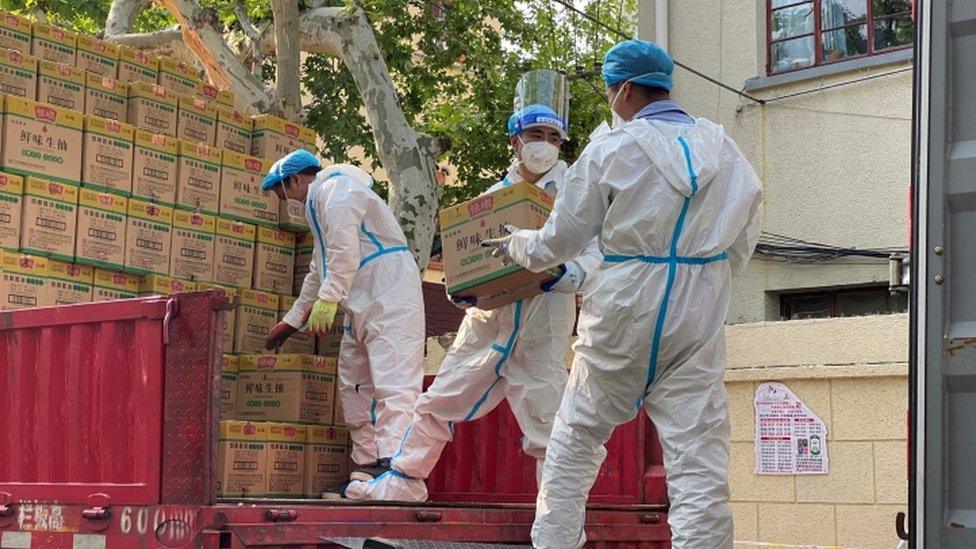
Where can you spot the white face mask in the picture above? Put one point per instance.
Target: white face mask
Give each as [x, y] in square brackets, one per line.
[539, 156]
[616, 119]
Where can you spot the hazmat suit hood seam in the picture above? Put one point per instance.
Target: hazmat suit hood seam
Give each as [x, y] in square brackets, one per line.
[704, 141]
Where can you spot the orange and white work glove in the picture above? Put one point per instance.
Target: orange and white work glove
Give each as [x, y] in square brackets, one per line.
[321, 317]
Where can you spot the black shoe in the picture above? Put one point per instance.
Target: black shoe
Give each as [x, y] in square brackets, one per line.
[336, 492]
[366, 473]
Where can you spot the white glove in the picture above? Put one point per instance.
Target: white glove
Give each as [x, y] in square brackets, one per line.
[567, 283]
[500, 244]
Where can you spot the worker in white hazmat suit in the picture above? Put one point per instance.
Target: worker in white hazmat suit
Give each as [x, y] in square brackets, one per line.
[361, 265]
[516, 352]
[677, 209]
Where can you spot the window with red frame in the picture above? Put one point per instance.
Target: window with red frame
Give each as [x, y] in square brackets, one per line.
[802, 34]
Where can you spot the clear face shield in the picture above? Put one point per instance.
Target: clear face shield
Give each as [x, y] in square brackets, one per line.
[541, 101]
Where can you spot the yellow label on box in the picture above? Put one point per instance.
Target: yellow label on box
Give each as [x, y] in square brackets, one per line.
[165, 285]
[250, 164]
[259, 300]
[50, 42]
[17, 60]
[213, 93]
[287, 363]
[27, 265]
[42, 112]
[148, 211]
[200, 152]
[322, 434]
[112, 129]
[199, 107]
[137, 65]
[233, 118]
[107, 202]
[63, 72]
[97, 56]
[290, 433]
[274, 237]
[14, 27]
[235, 229]
[243, 431]
[191, 221]
[228, 364]
[11, 184]
[70, 272]
[51, 190]
[158, 142]
[175, 67]
[153, 92]
[107, 85]
[285, 302]
[120, 282]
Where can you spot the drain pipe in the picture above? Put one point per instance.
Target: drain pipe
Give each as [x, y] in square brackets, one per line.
[661, 23]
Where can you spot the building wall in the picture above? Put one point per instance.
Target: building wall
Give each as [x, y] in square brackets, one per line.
[835, 164]
[860, 392]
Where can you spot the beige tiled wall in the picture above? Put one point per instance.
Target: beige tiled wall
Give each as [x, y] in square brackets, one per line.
[862, 397]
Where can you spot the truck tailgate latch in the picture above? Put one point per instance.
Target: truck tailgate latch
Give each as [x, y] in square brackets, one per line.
[6, 508]
[99, 509]
[280, 515]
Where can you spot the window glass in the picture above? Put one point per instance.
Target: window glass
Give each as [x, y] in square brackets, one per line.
[891, 7]
[792, 54]
[893, 32]
[810, 306]
[860, 303]
[790, 22]
[845, 42]
[838, 13]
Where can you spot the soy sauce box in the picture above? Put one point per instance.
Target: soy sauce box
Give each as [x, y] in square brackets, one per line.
[177, 76]
[137, 66]
[153, 108]
[61, 85]
[18, 74]
[101, 230]
[53, 43]
[193, 246]
[198, 177]
[11, 210]
[15, 32]
[148, 238]
[108, 160]
[22, 280]
[234, 253]
[41, 139]
[106, 97]
[196, 120]
[155, 167]
[223, 98]
[69, 283]
[97, 56]
[111, 285]
[50, 219]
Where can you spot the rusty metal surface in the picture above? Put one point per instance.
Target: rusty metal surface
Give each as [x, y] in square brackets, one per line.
[191, 398]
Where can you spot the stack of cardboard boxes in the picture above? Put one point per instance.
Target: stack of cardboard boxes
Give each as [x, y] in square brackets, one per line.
[124, 175]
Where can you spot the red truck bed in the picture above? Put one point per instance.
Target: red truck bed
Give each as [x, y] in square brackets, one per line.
[108, 439]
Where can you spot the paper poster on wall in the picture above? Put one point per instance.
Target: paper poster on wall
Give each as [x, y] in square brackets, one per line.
[790, 438]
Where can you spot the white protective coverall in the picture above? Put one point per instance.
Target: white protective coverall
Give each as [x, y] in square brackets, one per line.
[517, 352]
[677, 209]
[362, 262]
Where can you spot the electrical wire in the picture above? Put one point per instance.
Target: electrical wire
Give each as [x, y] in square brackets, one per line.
[793, 250]
[696, 72]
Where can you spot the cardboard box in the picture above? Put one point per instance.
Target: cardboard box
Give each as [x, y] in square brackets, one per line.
[275, 137]
[22, 283]
[107, 150]
[50, 219]
[257, 313]
[300, 343]
[241, 197]
[286, 460]
[469, 269]
[61, 85]
[111, 285]
[304, 251]
[100, 240]
[15, 32]
[148, 235]
[234, 253]
[97, 56]
[178, 77]
[330, 343]
[155, 166]
[326, 459]
[233, 131]
[233, 298]
[198, 177]
[291, 388]
[242, 459]
[69, 283]
[196, 120]
[193, 246]
[41, 139]
[291, 218]
[338, 417]
[228, 386]
[274, 261]
[223, 98]
[164, 285]
[11, 208]
[152, 107]
[137, 66]
[53, 43]
[18, 74]
[106, 97]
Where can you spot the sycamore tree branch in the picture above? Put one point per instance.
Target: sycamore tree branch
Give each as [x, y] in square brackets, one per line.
[156, 40]
[122, 16]
[199, 27]
[253, 35]
[407, 156]
[288, 86]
